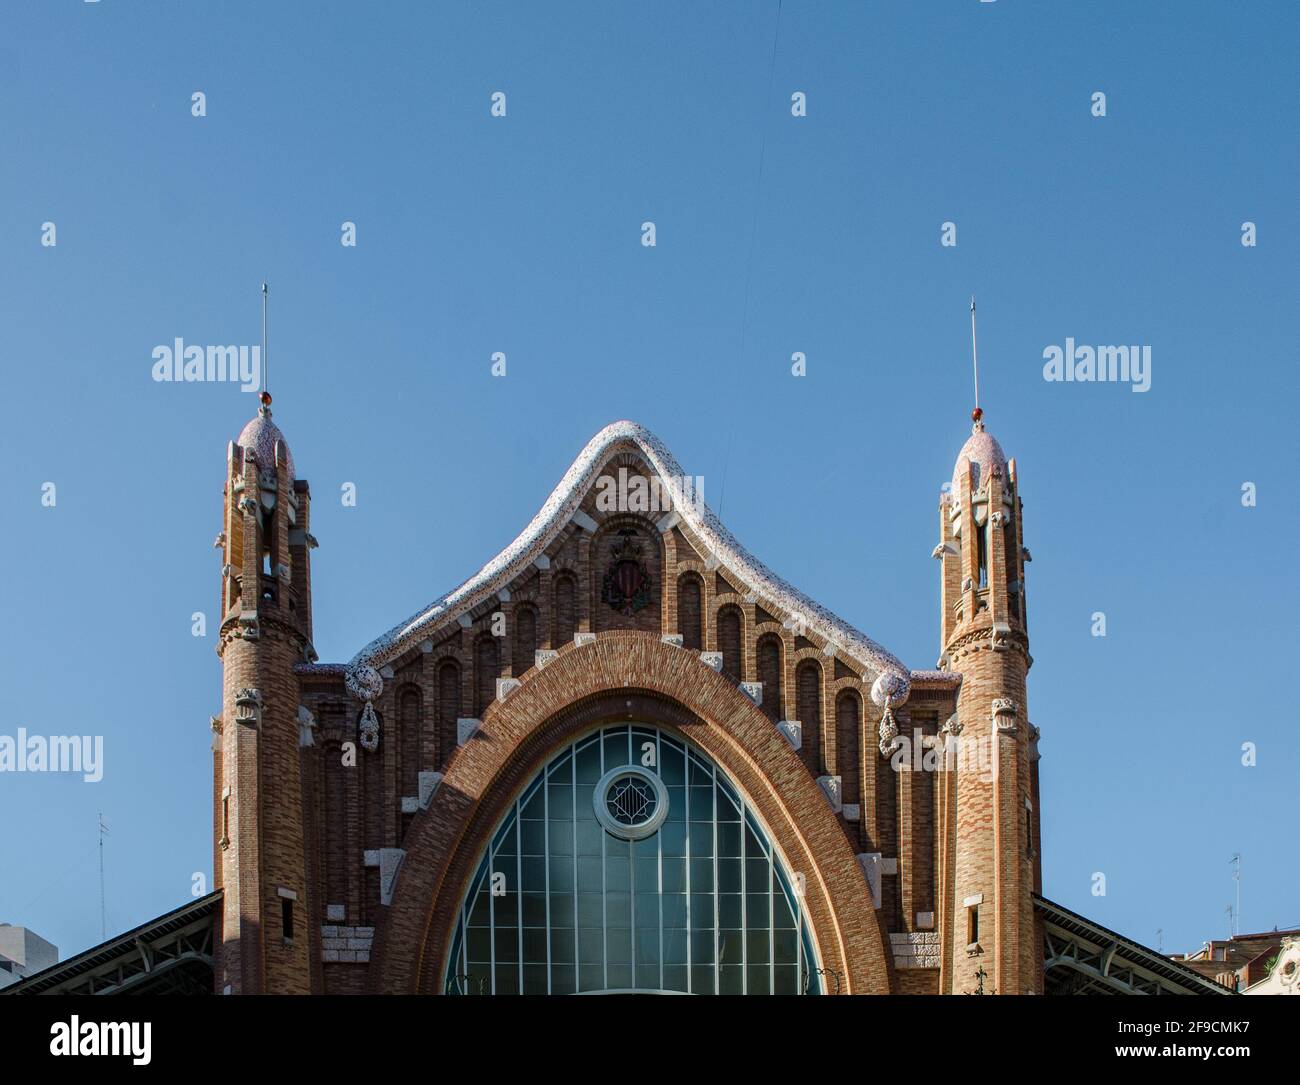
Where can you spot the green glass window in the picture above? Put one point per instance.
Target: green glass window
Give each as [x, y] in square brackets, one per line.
[631, 863]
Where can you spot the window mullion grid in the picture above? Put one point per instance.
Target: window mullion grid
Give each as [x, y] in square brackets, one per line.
[546, 872]
[577, 942]
[744, 898]
[686, 817]
[604, 881]
[717, 888]
[492, 907]
[771, 924]
[519, 889]
[659, 850]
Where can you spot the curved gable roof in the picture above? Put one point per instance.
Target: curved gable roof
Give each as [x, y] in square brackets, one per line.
[558, 511]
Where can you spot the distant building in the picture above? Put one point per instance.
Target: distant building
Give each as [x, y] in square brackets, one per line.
[1252, 964]
[23, 952]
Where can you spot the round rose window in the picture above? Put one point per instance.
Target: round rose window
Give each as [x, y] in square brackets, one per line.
[630, 802]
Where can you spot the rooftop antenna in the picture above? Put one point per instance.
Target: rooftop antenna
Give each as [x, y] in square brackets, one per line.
[1236, 877]
[1231, 922]
[1160, 940]
[103, 914]
[976, 414]
[266, 356]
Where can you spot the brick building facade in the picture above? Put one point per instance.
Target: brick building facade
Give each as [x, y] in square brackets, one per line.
[624, 755]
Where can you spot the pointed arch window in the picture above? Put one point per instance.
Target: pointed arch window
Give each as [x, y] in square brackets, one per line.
[631, 863]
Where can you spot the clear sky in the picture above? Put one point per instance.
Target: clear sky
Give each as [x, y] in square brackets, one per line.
[523, 235]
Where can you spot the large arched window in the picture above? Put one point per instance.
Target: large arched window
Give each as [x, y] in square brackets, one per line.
[631, 863]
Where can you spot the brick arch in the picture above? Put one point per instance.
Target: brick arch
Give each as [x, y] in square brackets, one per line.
[622, 675]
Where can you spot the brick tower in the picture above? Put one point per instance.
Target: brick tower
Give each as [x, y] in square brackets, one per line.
[990, 863]
[260, 858]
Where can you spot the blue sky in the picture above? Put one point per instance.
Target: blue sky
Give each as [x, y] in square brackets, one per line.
[522, 235]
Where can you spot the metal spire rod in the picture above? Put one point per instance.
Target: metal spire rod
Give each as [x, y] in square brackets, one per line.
[265, 355]
[103, 913]
[1236, 877]
[974, 358]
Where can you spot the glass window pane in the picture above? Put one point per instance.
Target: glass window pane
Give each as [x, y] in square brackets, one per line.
[702, 980]
[701, 839]
[507, 944]
[591, 945]
[535, 945]
[563, 943]
[561, 873]
[535, 910]
[729, 910]
[559, 803]
[561, 910]
[674, 909]
[672, 764]
[532, 874]
[507, 976]
[701, 801]
[591, 909]
[588, 763]
[561, 837]
[616, 749]
[674, 977]
[532, 837]
[618, 909]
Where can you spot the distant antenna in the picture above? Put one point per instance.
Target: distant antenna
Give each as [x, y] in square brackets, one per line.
[1160, 940]
[1236, 877]
[974, 359]
[1231, 921]
[265, 354]
[103, 914]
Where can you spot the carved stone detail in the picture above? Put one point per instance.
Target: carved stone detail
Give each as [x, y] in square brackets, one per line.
[793, 731]
[248, 707]
[833, 788]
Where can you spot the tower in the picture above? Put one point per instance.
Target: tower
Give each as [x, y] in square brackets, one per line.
[260, 857]
[990, 863]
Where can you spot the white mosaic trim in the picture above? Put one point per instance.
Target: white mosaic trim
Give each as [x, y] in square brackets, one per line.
[560, 509]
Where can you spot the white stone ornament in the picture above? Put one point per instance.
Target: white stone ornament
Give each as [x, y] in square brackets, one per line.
[833, 788]
[712, 659]
[793, 731]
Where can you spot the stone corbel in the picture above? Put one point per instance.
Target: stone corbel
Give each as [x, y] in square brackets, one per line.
[793, 731]
[248, 707]
[833, 788]
[1004, 715]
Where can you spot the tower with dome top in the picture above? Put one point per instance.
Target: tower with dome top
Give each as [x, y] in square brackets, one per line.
[990, 866]
[260, 857]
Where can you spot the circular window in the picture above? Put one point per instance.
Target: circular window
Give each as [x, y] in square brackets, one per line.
[630, 802]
